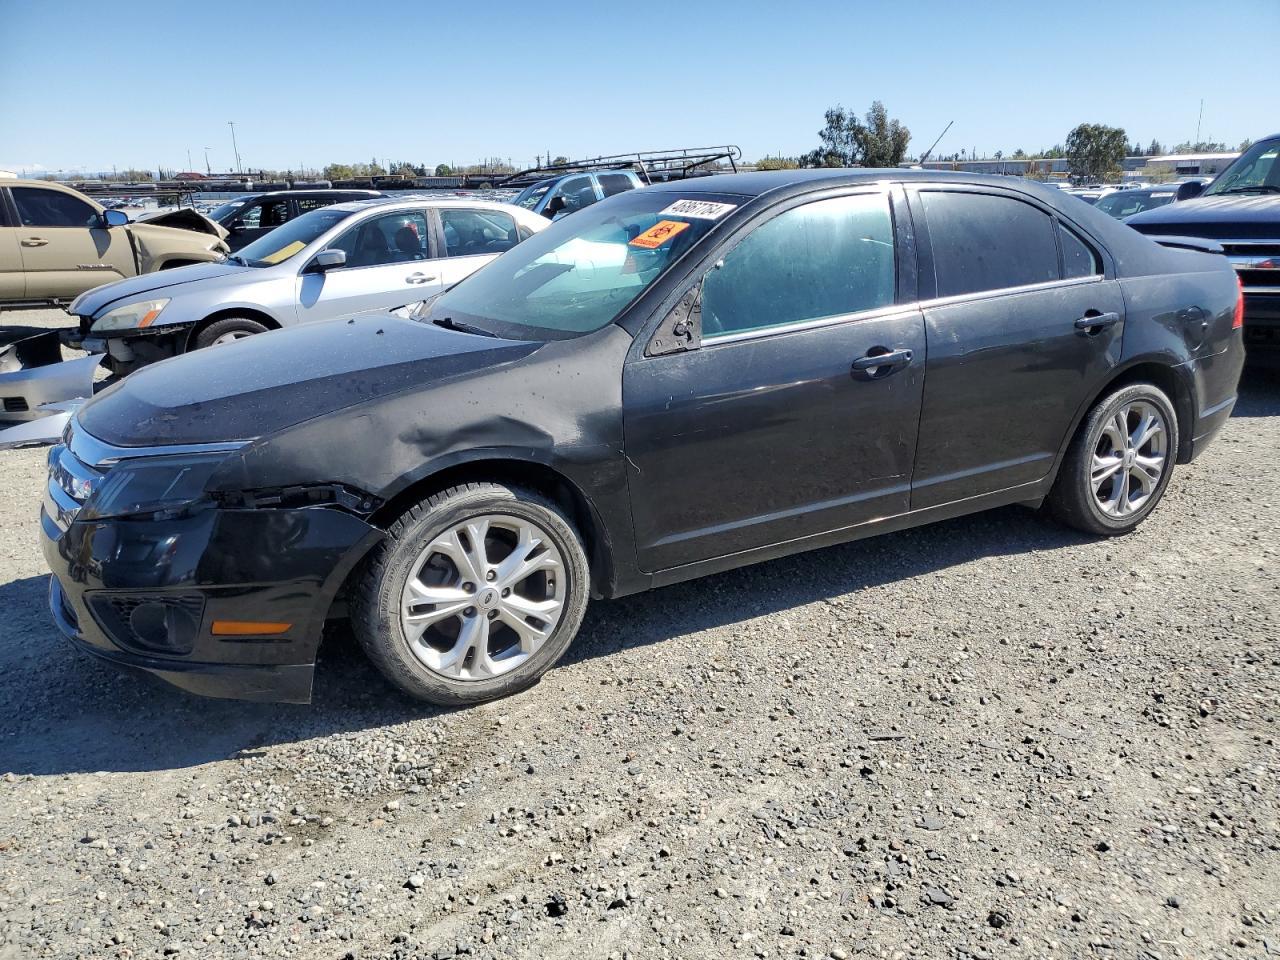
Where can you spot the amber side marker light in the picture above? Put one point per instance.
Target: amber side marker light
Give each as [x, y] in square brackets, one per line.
[247, 628]
[1238, 320]
[148, 318]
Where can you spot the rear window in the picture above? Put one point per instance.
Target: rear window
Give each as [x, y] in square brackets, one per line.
[983, 242]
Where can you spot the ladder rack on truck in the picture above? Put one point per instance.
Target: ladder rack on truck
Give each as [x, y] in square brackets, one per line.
[653, 166]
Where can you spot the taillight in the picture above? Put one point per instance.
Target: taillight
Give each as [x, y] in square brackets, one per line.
[1237, 321]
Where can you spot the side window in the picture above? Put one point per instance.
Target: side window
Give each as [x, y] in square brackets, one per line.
[469, 233]
[250, 218]
[823, 259]
[611, 183]
[52, 208]
[392, 238]
[577, 193]
[981, 242]
[273, 214]
[1078, 258]
[307, 204]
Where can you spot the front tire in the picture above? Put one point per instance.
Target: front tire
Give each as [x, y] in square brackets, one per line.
[228, 329]
[476, 593]
[1119, 463]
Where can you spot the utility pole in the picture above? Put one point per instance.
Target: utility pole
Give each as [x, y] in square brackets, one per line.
[207, 169]
[1199, 119]
[235, 149]
[188, 158]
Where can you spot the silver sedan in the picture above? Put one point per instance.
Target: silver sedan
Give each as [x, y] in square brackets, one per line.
[332, 262]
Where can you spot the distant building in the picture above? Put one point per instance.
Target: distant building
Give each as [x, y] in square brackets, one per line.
[1190, 164]
[8, 175]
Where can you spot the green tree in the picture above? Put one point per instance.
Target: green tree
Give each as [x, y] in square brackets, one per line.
[1155, 148]
[884, 140]
[1095, 150]
[444, 170]
[339, 171]
[1019, 154]
[560, 161]
[846, 141]
[777, 163]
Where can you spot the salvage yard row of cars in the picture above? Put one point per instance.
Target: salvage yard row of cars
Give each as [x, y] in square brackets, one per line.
[669, 382]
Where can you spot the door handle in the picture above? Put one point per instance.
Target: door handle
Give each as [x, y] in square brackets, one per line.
[880, 362]
[418, 278]
[1093, 322]
[34, 241]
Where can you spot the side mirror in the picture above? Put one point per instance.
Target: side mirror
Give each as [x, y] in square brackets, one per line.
[114, 218]
[329, 259]
[1190, 189]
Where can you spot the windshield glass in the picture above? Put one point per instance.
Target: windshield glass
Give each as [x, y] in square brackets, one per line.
[530, 196]
[284, 242]
[581, 272]
[226, 210]
[1255, 170]
[1126, 203]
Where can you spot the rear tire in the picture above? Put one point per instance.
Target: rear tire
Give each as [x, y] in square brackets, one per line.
[1119, 462]
[455, 625]
[228, 329]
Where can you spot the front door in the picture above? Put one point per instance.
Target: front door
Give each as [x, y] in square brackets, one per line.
[782, 425]
[1012, 349]
[66, 249]
[389, 264]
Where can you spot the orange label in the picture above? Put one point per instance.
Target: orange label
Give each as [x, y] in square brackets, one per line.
[658, 234]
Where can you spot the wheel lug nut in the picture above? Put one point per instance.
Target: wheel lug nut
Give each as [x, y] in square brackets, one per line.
[469, 612]
[469, 587]
[491, 575]
[506, 591]
[493, 614]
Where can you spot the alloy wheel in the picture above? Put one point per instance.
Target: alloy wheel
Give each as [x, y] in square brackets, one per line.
[231, 335]
[483, 597]
[1129, 459]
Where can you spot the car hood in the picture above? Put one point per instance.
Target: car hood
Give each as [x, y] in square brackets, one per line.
[184, 218]
[261, 385]
[1235, 216]
[91, 303]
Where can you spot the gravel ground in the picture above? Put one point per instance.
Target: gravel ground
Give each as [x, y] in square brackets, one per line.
[990, 737]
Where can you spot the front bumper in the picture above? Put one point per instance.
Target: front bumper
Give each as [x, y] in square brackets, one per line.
[132, 346]
[267, 565]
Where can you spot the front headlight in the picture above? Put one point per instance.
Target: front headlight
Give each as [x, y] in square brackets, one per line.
[151, 485]
[129, 317]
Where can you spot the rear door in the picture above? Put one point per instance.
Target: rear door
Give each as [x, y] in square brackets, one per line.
[470, 238]
[390, 262]
[65, 247]
[781, 425]
[1012, 349]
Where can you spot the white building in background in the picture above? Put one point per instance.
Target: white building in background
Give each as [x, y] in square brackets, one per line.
[8, 175]
[1189, 164]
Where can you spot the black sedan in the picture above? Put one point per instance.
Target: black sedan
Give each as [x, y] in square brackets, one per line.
[1126, 203]
[676, 381]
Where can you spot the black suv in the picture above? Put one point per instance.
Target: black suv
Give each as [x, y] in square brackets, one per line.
[1241, 211]
[248, 218]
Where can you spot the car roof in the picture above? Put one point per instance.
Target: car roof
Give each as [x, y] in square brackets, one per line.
[760, 182]
[312, 191]
[415, 200]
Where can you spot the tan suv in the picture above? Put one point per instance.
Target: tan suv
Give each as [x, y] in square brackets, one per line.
[56, 243]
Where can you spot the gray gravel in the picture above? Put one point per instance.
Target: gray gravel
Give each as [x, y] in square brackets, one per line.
[990, 737]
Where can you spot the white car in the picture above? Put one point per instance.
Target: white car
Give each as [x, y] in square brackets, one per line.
[332, 262]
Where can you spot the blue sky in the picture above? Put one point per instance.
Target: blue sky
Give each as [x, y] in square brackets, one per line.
[96, 84]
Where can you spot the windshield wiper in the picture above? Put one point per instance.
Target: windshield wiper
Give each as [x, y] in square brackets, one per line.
[451, 324]
[1256, 188]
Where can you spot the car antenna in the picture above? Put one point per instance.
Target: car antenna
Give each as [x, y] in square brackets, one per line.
[925, 155]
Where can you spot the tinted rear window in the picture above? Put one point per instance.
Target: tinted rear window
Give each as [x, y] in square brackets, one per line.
[982, 242]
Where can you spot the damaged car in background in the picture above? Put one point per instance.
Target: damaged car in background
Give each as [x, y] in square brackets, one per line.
[56, 243]
[672, 382]
[334, 261]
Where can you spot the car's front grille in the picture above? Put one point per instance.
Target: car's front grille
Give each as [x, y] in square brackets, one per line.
[1257, 263]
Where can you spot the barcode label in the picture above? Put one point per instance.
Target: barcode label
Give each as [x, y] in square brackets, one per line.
[698, 209]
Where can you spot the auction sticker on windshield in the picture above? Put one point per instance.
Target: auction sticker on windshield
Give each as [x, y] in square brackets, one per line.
[658, 234]
[698, 209]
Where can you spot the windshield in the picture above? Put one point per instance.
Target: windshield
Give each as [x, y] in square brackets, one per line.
[227, 209]
[581, 272]
[1126, 203]
[530, 196]
[284, 242]
[1254, 171]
